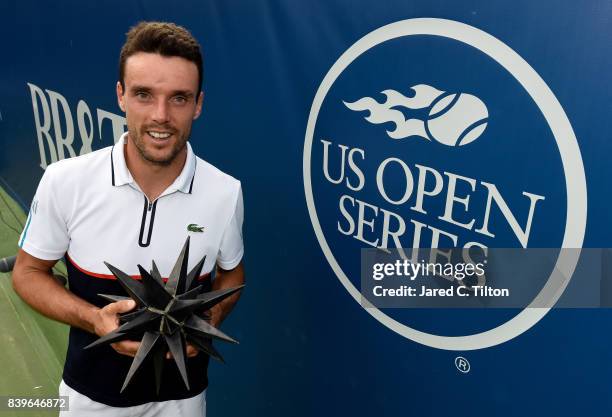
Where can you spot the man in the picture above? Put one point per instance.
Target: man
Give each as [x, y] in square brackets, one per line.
[131, 204]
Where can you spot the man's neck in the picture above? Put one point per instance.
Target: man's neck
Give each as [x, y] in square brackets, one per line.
[153, 179]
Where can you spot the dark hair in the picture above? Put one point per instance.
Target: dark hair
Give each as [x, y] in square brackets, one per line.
[166, 39]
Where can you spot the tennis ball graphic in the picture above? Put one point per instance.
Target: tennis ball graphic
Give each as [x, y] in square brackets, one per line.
[457, 119]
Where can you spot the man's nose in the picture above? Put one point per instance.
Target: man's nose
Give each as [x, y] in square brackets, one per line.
[161, 113]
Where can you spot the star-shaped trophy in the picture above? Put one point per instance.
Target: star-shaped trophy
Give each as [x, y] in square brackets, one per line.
[167, 316]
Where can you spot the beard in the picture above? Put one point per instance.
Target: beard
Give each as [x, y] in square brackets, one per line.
[137, 137]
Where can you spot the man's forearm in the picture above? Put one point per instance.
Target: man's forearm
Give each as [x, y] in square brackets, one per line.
[226, 279]
[46, 295]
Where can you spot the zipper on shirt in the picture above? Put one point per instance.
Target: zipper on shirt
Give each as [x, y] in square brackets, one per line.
[148, 216]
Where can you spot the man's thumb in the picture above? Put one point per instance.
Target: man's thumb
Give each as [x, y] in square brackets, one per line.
[124, 306]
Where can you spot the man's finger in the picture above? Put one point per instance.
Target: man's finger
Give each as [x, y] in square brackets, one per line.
[121, 306]
[190, 351]
[126, 347]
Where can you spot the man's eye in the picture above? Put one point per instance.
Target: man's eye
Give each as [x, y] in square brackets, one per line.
[142, 95]
[180, 99]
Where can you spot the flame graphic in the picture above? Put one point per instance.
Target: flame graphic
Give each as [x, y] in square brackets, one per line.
[452, 119]
[384, 112]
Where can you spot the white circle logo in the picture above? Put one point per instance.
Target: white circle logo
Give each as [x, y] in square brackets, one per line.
[462, 134]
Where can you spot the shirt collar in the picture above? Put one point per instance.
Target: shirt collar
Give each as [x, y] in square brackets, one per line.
[121, 175]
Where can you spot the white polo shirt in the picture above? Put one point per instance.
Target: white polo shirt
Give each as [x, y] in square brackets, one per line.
[91, 209]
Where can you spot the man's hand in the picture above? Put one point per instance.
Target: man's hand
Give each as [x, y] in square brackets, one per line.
[190, 351]
[226, 278]
[216, 315]
[107, 320]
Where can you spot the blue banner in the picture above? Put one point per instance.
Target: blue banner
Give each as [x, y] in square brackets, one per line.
[352, 124]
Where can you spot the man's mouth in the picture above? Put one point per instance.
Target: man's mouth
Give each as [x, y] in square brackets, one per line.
[159, 135]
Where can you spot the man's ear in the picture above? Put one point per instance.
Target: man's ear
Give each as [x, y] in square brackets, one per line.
[199, 105]
[120, 96]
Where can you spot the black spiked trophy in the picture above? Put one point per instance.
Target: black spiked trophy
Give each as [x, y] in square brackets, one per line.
[166, 316]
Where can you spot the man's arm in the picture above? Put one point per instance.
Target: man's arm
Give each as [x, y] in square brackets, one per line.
[35, 284]
[226, 279]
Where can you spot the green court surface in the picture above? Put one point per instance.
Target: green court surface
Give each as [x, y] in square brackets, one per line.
[32, 347]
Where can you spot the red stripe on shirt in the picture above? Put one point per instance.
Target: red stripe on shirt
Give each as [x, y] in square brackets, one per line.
[111, 276]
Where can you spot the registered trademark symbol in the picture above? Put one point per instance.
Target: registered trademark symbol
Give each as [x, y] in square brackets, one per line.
[462, 364]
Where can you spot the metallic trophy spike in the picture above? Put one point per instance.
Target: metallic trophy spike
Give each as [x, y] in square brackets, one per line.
[145, 319]
[176, 280]
[205, 345]
[155, 273]
[190, 295]
[132, 287]
[176, 345]
[194, 274]
[203, 328]
[113, 298]
[214, 297]
[167, 317]
[149, 339]
[158, 354]
[185, 306]
[124, 318]
[155, 291]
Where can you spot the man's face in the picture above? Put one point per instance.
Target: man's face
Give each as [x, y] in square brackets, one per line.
[160, 104]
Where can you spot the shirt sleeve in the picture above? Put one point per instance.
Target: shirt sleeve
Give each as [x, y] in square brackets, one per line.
[45, 235]
[232, 246]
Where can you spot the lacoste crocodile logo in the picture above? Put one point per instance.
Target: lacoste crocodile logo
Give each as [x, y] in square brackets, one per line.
[195, 228]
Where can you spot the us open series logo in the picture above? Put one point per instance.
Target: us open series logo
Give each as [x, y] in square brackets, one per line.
[432, 133]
